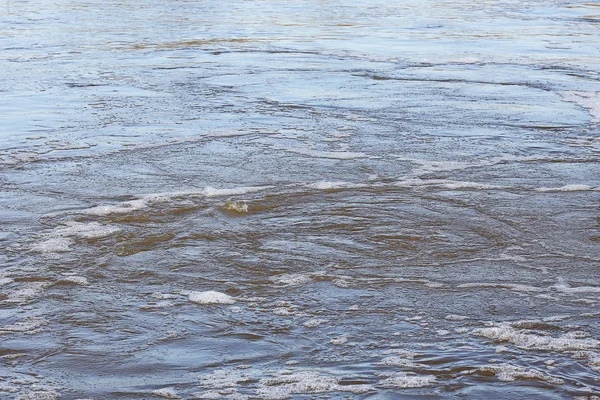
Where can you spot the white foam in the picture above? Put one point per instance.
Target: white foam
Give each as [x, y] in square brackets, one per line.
[340, 340]
[275, 384]
[313, 323]
[210, 297]
[564, 287]
[27, 292]
[122, 208]
[399, 361]
[86, 230]
[146, 200]
[157, 305]
[237, 206]
[338, 155]
[455, 317]
[403, 353]
[40, 395]
[5, 281]
[28, 325]
[458, 59]
[501, 349]
[163, 296]
[223, 378]
[590, 100]
[429, 166]
[59, 239]
[447, 184]
[53, 245]
[404, 380]
[509, 286]
[329, 185]
[210, 191]
[77, 280]
[510, 373]
[526, 339]
[292, 279]
[227, 394]
[593, 358]
[567, 188]
[304, 382]
[8, 389]
[167, 393]
[282, 311]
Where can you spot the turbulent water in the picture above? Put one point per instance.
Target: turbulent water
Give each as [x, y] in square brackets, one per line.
[273, 199]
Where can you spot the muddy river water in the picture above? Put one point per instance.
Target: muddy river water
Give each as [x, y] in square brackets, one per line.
[274, 199]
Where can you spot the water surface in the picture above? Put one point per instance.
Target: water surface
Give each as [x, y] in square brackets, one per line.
[390, 199]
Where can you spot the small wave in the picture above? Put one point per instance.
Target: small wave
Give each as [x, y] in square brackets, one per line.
[146, 200]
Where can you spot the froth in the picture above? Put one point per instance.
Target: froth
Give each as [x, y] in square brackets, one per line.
[30, 325]
[146, 200]
[210, 297]
[510, 373]
[281, 387]
[338, 155]
[166, 393]
[564, 287]
[510, 286]
[292, 279]
[567, 188]
[60, 239]
[447, 184]
[526, 339]
[404, 380]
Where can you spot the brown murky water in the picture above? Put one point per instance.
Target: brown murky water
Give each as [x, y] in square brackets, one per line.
[281, 199]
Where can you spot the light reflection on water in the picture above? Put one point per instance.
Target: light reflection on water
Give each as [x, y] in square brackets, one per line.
[393, 200]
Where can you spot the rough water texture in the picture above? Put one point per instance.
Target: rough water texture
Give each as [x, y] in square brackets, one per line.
[299, 199]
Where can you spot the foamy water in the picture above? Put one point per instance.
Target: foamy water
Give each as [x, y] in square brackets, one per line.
[292, 200]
